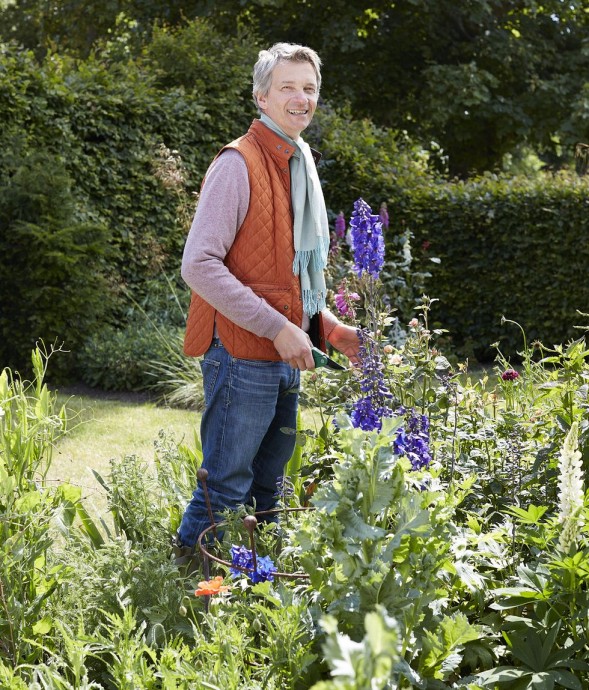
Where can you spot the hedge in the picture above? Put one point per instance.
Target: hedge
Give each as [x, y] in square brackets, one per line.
[509, 247]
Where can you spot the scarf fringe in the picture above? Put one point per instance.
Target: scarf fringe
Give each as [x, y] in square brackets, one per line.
[313, 302]
[316, 257]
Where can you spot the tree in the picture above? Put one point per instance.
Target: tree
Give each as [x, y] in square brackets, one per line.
[481, 78]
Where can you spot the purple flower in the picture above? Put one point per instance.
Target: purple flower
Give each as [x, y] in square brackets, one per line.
[413, 440]
[284, 487]
[367, 242]
[343, 301]
[242, 557]
[340, 225]
[510, 375]
[364, 416]
[372, 406]
[264, 571]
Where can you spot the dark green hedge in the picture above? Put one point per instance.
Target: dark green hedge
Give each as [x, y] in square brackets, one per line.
[515, 247]
[97, 125]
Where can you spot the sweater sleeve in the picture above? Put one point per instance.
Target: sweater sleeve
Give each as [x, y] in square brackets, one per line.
[221, 210]
[330, 321]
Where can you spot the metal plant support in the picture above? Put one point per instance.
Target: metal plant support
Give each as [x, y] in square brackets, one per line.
[250, 523]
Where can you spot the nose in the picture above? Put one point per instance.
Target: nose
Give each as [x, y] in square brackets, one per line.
[301, 96]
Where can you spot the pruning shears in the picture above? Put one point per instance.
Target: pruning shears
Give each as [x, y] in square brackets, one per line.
[322, 360]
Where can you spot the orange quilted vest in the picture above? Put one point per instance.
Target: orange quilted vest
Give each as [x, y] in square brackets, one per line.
[262, 254]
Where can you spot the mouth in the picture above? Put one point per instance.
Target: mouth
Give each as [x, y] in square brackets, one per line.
[298, 112]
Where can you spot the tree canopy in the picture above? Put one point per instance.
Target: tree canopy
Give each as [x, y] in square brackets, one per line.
[478, 80]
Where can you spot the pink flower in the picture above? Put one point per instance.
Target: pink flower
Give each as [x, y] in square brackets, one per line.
[510, 375]
[344, 299]
[413, 323]
[384, 215]
[340, 225]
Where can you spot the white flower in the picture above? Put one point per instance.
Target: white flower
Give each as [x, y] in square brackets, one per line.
[571, 490]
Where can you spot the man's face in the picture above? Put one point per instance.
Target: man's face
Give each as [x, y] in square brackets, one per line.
[292, 98]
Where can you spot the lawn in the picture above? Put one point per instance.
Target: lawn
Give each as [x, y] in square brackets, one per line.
[104, 427]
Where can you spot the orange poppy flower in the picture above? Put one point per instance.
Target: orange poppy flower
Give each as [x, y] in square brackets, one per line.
[210, 587]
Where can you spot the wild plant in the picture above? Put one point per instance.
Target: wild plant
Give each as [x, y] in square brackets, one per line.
[29, 426]
[370, 662]
[136, 501]
[176, 466]
[386, 534]
[544, 618]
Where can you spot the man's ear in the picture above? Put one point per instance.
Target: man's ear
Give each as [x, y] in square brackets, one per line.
[262, 101]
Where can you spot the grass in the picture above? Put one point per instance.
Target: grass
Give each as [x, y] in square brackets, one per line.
[101, 429]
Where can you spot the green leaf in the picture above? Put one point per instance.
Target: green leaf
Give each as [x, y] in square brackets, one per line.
[28, 502]
[89, 527]
[43, 626]
[566, 679]
[501, 674]
[527, 647]
[529, 516]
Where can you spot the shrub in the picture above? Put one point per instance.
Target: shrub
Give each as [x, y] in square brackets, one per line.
[53, 275]
[508, 247]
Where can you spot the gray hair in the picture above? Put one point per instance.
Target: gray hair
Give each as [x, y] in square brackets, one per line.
[268, 59]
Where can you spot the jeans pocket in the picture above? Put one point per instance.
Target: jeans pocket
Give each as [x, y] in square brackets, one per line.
[210, 371]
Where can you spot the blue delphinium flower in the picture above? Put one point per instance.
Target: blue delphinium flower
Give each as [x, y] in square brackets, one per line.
[413, 440]
[264, 570]
[370, 409]
[284, 488]
[366, 240]
[242, 557]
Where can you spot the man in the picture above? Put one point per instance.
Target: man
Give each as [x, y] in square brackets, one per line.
[254, 260]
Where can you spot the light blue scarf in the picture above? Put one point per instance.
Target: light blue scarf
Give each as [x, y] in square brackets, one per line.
[311, 229]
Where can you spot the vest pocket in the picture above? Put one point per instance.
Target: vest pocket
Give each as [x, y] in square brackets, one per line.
[278, 296]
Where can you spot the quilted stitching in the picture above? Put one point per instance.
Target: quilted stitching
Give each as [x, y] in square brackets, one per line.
[262, 253]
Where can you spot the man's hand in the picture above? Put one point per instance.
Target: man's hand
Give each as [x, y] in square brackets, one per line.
[294, 347]
[345, 340]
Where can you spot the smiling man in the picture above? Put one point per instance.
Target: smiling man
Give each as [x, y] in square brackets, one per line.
[254, 259]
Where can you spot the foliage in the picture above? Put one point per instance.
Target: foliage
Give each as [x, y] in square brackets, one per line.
[468, 572]
[29, 426]
[118, 359]
[375, 162]
[478, 80]
[54, 273]
[507, 247]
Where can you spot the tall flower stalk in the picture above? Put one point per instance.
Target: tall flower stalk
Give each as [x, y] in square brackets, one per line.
[370, 409]
[571, 491]
[366, 240]
[367, 245]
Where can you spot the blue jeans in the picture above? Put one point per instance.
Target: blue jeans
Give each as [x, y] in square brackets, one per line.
[247, 404]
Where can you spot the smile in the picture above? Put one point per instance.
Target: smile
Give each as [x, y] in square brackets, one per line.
[298, 112]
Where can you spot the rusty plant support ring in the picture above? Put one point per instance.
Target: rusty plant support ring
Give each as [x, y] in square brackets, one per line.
[250, 523]
[207, 556]
[203, 475]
